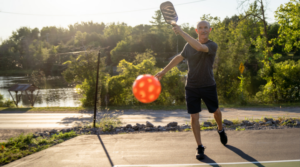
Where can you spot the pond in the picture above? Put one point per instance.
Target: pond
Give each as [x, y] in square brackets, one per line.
[54, 92]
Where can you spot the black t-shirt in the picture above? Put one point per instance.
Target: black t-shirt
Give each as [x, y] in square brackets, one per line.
[200, 65]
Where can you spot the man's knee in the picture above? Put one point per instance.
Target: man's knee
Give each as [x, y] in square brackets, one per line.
[195, 117]
[217, 111]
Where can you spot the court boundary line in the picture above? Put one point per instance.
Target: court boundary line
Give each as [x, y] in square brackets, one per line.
[229, 163]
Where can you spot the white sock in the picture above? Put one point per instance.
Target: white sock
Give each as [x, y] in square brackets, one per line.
[221, 130]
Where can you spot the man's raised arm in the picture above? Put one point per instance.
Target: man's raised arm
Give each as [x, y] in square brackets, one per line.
[193, 42]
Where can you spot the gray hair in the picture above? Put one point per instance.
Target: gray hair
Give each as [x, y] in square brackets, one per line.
[202, 21]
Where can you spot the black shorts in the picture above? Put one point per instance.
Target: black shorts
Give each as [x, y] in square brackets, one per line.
[208, 94]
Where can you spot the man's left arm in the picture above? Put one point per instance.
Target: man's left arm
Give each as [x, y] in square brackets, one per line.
[193, 42]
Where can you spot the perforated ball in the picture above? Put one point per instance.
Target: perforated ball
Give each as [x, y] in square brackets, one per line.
[146, 88]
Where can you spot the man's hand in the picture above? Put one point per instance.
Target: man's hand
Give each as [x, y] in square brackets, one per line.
[176, 28]
[159, 75]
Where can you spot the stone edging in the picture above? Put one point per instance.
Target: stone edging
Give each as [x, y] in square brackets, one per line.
[267, 123]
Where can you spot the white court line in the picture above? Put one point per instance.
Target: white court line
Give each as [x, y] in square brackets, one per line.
[230, 163]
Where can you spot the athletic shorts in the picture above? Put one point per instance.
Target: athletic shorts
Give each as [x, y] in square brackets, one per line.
[193, 98]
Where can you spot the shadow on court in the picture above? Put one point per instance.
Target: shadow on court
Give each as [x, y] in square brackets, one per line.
[103, 146]
[244, 155]
[209, 161]
[239, 152]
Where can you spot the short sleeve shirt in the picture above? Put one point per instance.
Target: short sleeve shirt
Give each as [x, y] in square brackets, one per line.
[200, 65]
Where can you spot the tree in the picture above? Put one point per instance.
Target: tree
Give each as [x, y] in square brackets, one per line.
[288, 17]
[82, 71]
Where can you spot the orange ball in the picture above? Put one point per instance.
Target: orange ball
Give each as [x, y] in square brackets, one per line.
[146, 88]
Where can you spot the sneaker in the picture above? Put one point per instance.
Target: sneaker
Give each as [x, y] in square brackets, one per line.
[223, 137]
[200, 153]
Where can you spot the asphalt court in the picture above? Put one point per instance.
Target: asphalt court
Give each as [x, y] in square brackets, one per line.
[287, 163]
[257, 148]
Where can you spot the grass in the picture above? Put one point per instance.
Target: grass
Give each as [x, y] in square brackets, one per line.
[15, 72]
[235, 121]
[187, 129]
[239, 128]
[208, 128]
[212, 121]
[138, 107]
[107, 123]
[23, 145]
[122, 133]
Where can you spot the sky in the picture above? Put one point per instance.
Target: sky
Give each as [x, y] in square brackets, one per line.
[61, 13]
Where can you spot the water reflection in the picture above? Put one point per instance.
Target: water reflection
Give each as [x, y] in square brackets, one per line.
[54, 92]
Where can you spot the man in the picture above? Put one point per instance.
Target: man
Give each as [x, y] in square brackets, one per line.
[200, 82]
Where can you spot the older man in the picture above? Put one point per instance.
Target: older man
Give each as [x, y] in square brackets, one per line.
[200, 83]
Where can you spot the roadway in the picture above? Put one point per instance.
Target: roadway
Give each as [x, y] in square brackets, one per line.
[20, 120]
[14, 123]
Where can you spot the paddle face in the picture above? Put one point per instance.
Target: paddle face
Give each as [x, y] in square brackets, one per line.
[169, 13]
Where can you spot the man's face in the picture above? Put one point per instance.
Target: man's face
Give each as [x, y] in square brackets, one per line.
[203, 30]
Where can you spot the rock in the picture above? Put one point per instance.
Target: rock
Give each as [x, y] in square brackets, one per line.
[268, 119]
[128, 126]
[130, 130]
[171, 128]
[261, 123]
[268, 123]
[277, 122]
[172, 124]
[118, 130]
[247, 123]
[161, 129]
[227, 122]
[148, 129]
[35, 135]
[297, 122]
[45, 134]
[148, 124]
[185, 127]
[53, 131]
[135, 127]
[207, 124]
[94, 129]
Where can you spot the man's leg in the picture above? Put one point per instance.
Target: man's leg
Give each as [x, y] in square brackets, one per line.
[221, 131]
[196, 127]
[218, 118]
[196, 130]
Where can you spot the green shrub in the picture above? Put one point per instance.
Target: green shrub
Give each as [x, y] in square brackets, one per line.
[6, 103]
[284, 86]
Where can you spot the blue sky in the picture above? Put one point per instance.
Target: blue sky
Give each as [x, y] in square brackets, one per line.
[61, 13]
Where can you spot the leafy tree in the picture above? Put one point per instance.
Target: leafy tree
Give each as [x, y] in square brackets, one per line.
[286, 74]
[288, 17]
[82, 71]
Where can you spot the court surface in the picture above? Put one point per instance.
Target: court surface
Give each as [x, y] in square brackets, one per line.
[257, 148]
[287, 163]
